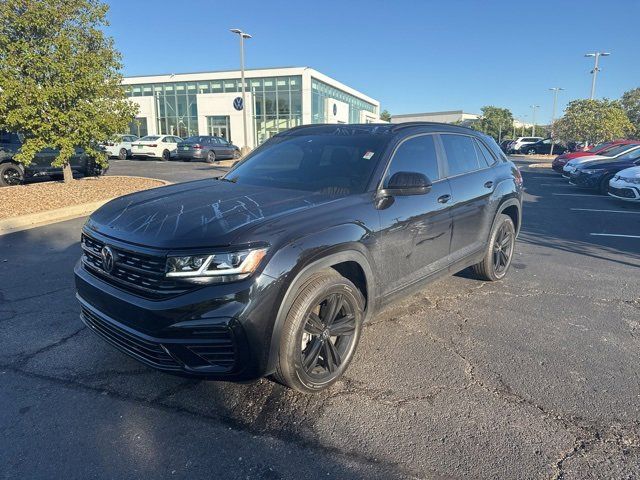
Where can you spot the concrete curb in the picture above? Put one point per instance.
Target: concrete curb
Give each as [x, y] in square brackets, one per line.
[40, 219]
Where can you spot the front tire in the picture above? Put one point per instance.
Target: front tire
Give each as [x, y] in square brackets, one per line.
[603, 188]
[211, 157]
[320, 333]
[122, 154]
[497, 258]
[166, 155]
[11, 174]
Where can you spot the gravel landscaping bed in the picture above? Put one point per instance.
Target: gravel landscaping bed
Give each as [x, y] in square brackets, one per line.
[41, 197]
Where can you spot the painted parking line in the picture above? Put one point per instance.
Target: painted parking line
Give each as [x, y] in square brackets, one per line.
[578, 195]
[614, 235]
[605, 211]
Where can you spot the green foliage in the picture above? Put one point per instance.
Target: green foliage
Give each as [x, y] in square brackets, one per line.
[60, 84]
[593, 121]
[494, 121]
[630, 102]
[385, 115]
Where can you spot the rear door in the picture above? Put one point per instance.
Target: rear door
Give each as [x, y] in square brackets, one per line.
[468, 168]
[415, 230]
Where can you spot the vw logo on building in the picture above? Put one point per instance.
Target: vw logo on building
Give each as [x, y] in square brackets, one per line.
[108, 258]
[238, 104]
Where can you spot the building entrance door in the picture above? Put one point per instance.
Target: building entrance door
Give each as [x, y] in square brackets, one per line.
[219, 126]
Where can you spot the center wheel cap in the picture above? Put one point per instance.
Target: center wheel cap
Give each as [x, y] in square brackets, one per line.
[325, 334]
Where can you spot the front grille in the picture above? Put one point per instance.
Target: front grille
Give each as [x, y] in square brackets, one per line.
[622, 192]
[138, 273]
[148, 352]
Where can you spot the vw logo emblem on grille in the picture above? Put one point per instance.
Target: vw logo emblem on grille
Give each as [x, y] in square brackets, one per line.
[108, 258]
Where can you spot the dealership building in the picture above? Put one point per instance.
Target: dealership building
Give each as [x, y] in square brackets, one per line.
[207, 103]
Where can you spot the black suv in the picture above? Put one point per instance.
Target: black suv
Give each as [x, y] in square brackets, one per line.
[13, 173]
[274, 268]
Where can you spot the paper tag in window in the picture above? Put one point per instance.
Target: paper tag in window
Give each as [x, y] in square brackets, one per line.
[368, 155]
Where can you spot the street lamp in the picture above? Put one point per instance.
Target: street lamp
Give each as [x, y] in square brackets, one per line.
[533, 119]
[555, 91]
[243, 35]
[596, 69]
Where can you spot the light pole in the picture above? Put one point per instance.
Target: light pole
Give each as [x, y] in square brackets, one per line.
[596, 69]
[533, 119]
[245, 149]
[555, 91]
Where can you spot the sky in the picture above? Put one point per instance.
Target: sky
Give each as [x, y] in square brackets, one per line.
[412, 56]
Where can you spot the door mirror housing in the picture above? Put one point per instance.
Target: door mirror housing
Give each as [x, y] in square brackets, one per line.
[406, 183]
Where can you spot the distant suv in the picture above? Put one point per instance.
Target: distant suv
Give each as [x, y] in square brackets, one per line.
[517, 145]
[543, 147]
[274, 268]
[208, 148]
[14, 173]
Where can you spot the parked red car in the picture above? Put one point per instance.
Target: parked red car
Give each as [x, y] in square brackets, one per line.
[600, 149]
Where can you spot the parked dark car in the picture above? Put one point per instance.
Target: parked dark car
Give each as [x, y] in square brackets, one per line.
[274, 268]
[596, 174]
[13, 173]
[543, 147]
[207, 148]
[602, 149]
[504, 145]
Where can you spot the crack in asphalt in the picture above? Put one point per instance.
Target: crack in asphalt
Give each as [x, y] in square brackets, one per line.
[26, 357]
[232, 423]
[38, 295]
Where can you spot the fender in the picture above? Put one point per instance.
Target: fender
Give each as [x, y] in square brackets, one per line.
[313, 258]
[509, 202]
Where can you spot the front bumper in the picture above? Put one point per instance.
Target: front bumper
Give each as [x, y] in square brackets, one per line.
[558, 166]
[584, 180]
[624, 190]
[218, 332]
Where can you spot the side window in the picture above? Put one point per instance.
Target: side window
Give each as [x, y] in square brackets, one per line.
[484, 154]
[417, 154]
[461, 153]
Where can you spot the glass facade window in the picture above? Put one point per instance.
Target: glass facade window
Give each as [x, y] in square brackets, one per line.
[320, 91]
[277, 103]
[219, 126]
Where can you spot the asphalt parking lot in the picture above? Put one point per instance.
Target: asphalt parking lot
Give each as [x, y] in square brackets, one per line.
[174, 171]
[535, 376]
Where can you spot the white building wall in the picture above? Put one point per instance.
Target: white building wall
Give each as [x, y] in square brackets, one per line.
[221, 104]
[147, 109]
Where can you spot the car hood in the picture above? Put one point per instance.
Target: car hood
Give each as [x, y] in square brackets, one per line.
[604, 162]
[633, 172]
[590, 158]
[204, 213]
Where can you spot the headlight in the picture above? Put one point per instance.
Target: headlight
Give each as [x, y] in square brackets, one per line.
[635, 180]
[217, 267]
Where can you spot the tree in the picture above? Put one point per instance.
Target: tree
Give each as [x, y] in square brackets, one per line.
[60, 84]
[592, 121]
[494, 121]
[385, 115]
[630, 102]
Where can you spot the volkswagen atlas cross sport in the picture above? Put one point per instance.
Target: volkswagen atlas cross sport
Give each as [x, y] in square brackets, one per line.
[273, 269]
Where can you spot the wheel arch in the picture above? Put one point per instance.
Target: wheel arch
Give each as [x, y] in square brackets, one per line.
[512, 208]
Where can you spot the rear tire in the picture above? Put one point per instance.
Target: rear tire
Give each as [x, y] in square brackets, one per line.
[166, 155]
[321, 333]
[499, 253]
[603, 188]
[211, 157]
[11, 174]
[122, 154]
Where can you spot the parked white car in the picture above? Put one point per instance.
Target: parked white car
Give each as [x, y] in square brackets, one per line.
[119, 146]
[518, 143]
[156, 146]
[625, 185]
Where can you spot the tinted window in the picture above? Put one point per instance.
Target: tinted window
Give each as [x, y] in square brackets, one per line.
[339, 164]
[484, 155]
[150, 138]
[632, 155]
[417, 154]
[461, 154]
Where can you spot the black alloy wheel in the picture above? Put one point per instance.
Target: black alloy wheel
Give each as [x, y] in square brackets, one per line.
[328, 334]
[503, 249]
[320, 333]
[166, 155]
[211, 156]
[499, 251]
[10, 175]
[236, 154]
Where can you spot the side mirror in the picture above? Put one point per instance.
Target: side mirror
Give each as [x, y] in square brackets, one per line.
[406, 183]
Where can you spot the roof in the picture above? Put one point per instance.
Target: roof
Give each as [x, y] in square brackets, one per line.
[373, 128]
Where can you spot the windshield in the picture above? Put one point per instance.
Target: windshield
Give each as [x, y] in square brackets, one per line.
[325, 163]
[195, 139]
[604, 146]
[617, 150]
[150, 138]
[631, 155]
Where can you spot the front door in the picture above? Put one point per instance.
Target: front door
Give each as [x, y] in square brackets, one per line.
[219, 126]
[415, 233]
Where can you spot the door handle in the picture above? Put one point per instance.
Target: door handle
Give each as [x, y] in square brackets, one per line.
[488, 184]
[444, 198]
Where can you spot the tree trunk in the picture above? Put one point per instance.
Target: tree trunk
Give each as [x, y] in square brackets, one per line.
[67, 173]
